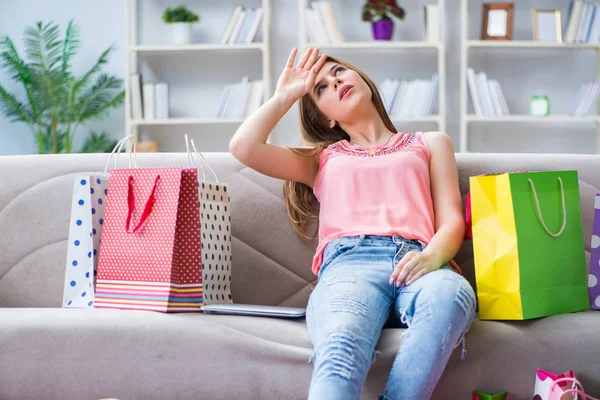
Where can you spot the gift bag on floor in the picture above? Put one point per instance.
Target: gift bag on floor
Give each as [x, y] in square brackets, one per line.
[549, 386]
[85, 228]
[484, 396]
[594, 273]
[150, 249]
[528, 245]
[215, 218]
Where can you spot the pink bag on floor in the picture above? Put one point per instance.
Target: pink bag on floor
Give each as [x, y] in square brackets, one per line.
[549, 386]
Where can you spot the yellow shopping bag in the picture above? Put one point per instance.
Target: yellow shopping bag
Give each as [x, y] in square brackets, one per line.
[528, 245]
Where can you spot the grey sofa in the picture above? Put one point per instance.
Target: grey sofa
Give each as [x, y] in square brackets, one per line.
[47, 352]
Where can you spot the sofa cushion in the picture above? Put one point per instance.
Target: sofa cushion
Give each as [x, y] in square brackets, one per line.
[270, 264]
[94, 353]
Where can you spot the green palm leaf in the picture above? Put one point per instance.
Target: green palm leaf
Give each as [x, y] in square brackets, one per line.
[70, 46]
[19, 71]
[43, 46]
[98, 143]
[102, 60]
[99, 98]
[14, 110]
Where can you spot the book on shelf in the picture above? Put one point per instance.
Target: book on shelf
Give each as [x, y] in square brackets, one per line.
[583, 22]
[135, 83]
[240, 99]
[432, 23]
[585, 102]
[487, 95]
[161, 104]
[149, 100]
[403, 98]
[321, 26]
[243, 25]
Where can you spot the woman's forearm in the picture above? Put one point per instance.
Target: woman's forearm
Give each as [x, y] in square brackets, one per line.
[259, 125]
[446, 242]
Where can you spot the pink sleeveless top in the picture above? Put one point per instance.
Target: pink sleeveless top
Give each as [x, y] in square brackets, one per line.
[380, 190]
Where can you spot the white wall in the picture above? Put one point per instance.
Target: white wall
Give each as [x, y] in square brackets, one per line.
[521, 72]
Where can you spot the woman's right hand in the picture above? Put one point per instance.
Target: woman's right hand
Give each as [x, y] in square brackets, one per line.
[295, 82]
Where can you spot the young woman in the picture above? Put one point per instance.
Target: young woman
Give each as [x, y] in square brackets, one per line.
[390, 222]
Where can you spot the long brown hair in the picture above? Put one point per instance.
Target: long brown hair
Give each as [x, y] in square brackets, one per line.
[299, 198]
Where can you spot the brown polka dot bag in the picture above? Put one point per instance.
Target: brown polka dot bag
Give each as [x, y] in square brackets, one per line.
[215, 231]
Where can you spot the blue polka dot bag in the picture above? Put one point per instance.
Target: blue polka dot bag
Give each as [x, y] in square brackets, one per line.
[85, 229]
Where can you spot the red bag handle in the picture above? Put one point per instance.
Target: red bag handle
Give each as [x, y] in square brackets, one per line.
[131, 203]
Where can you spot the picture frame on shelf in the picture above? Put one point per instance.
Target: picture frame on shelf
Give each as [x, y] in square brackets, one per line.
[497, 21]
[547, 26]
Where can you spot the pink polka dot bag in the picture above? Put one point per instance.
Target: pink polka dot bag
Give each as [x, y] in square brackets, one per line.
[150, 256]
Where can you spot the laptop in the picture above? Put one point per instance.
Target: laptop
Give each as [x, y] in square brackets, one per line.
[254, 310]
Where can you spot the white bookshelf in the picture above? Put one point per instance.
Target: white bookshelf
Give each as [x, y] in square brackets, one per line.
[374, 45]
[530, 45]
[134, 50]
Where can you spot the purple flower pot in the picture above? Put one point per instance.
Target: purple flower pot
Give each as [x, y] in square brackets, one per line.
[383, 29]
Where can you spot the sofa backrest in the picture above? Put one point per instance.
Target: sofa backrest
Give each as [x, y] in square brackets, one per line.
[271, 265]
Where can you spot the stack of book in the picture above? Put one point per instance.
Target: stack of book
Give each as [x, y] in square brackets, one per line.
[585, 100]
[487, 95]
[320, 24]
[240, 99]
[243, 25]
[583, 22]
[149, 100]
[417, 97]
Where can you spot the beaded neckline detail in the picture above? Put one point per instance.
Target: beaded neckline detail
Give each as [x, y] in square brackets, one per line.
[399, 142]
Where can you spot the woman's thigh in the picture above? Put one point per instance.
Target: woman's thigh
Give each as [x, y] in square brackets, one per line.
[353, 297]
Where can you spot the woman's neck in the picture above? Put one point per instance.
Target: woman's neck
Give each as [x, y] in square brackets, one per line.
[369, 130]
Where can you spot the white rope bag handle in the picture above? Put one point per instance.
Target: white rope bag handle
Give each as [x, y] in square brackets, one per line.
[539, 210]
[117, 150]
[191, 162]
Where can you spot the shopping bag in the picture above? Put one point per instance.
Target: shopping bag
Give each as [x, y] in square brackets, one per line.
[549, 386]
[85, 229]
[215, 218]
[528, 245]
[594, 273]
[150, 249]
[468, 218]
[484, 396]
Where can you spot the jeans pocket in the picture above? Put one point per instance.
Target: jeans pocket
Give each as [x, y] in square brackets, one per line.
[347, 246]
[337, 248]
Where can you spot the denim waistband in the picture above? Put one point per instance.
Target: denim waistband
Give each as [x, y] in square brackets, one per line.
[377, 240]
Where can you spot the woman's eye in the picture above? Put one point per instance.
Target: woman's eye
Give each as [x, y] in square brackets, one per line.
[338, 69]
[320, 89]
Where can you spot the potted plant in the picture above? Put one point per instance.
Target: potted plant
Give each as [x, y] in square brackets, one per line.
[56, 102]
[181, 19]
[377, 12]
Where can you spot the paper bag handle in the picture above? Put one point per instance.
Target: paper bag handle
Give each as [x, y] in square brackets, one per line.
[117, 150]
[131, 204]
[191, 162]
[576, 388]
[539, 210]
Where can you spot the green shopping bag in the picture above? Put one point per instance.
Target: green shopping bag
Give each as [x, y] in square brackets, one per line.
[484, 396]
[528, 245]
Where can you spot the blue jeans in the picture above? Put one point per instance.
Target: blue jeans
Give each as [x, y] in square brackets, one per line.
[354, 300]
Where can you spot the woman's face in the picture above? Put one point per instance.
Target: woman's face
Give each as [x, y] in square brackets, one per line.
[339, 91]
